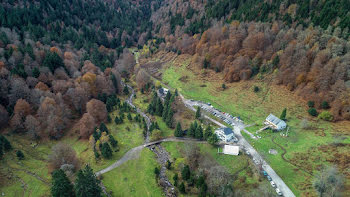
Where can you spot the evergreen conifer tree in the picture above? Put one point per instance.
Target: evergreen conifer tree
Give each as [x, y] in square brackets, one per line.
[159, 107]
[191, 130]
[7, 145]
[283, 114]
[61, 186]
[198, 113]
[182, 188]
[86, 184]
[126, 90]
[113, 142]
[199, 132]
[186, 173]
[178, 131]
[106, 151]
[208, 132]
[20, 155]
[169, 119]
[129, 117]
[103, 128]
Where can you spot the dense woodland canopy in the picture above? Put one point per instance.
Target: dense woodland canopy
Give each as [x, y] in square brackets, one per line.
[60, 60]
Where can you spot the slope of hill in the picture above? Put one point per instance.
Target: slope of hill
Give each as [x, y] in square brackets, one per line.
[309, 59]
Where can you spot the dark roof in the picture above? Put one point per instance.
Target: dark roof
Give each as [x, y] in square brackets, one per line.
[227, 131]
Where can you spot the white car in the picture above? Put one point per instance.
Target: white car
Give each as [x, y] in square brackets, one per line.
[273, 184]
[278, 191]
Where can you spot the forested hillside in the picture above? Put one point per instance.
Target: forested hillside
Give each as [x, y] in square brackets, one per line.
[69, 51]
[55, 56]
[304, 44]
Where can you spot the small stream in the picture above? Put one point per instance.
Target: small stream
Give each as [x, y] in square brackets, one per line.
[162, 158]
[161, 154]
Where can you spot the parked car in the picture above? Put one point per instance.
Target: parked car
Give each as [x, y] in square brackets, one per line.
[269, 178]
[264, 173]
[272, 184]
[258, 136]
[278, 191]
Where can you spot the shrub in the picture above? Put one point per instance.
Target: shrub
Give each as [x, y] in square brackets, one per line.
[156, 171]
[20, 155]
[156, 135]
[312, 112]
[324, 105]
[256, 89]
[223, 86]
[182, 188]
[311, 104]
[326, 115]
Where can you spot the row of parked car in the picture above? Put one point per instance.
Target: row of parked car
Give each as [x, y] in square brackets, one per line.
[273, 184]
[228, 118]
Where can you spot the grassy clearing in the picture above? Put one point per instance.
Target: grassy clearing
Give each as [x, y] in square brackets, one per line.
[239, 99]
[135, 177]
[16, 178]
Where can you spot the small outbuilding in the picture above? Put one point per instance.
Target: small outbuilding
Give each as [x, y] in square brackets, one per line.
[275, 123]
[231, 150]
[163, 91]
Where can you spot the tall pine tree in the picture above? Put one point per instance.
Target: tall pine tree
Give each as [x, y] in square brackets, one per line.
[86, 184]
[178, 131]
[283, 114]
[61, 185]
[7, 145]
[199, 132]
[192, 130]
[198, 113]
[103, 128]
[169, 119]
[208, 132]
[106, 151]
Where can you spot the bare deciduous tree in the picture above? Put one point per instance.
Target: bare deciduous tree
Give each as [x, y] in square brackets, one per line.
[32, 126]
[97, 109]
[86, 125]
[329, 182]
[63, 154]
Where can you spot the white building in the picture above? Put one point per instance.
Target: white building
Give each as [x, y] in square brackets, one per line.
[275, 123]
[231, 150]
[163, 91]
[225, 134]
